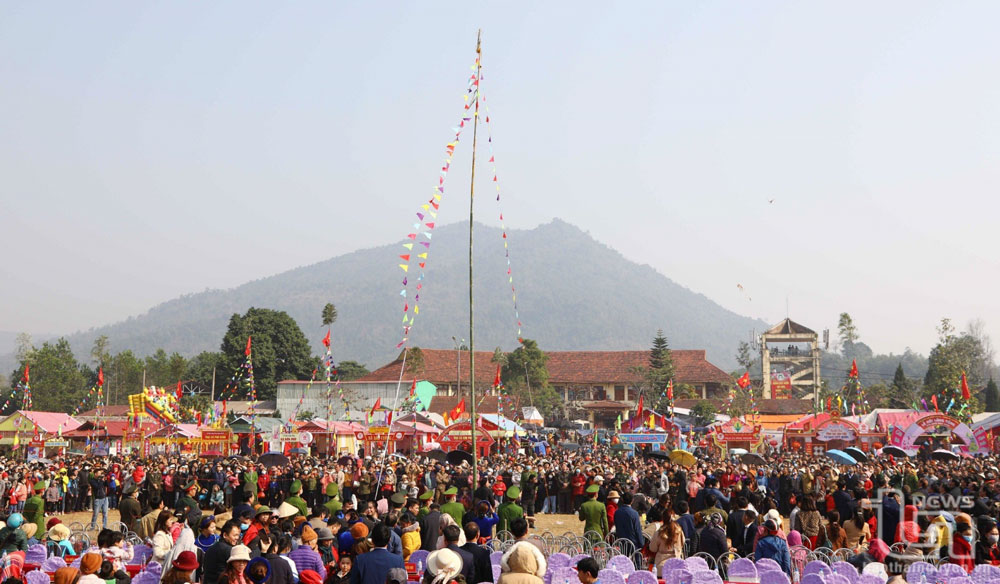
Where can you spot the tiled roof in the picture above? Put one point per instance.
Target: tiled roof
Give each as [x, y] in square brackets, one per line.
[565, 367]
[442, 404]
[765, 406]
[606, 405]
[789, 327]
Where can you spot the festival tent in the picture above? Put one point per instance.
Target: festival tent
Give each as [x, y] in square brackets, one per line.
[25, 423]
[333, 437]
[507, 426]
[531, 415]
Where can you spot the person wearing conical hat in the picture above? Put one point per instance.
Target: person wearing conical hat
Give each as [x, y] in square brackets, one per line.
[34, 507]
[296, 500]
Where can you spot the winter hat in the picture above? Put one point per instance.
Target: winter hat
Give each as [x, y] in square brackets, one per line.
[359, 530]
[309, 534]
[90, 563]
[186, 561]
[239, 552]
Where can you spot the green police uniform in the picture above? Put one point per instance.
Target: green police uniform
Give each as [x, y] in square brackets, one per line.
[34, 508]
[452, 507]
[187, 500]
[295, 500]
[509, 510]
[594, 514]
[425, 506]
[333, 505]
[250, 482]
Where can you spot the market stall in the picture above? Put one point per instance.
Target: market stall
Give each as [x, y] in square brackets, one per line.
[817, 433]
[935, 431]
[737, 433]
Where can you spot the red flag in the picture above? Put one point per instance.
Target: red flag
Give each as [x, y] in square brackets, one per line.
[375, 406]
[180, 391]
[854, 368]
[496, 380]
[388, 419]
[457, 410]
[744, 381]
[670, 389]
[100, 377]
[934, 401]
[326, 339]
[829, 404]
[247, 351]
[27, 373]
[639, 409]
[965, 388]
[413, 388]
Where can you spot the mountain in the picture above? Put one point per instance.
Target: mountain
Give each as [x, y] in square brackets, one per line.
[573, 293]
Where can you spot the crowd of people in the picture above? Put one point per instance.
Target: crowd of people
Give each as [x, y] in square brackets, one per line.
[350, 520]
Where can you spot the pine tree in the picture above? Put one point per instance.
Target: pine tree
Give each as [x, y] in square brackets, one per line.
[992, 396]
[661, 370]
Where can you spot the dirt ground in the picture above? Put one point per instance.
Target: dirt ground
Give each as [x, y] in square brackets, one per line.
[558, 524]
[84, 518]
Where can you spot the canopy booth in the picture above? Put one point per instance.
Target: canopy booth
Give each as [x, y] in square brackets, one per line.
[459, 437]
[817, 433]
[934, 431]
[737, 433]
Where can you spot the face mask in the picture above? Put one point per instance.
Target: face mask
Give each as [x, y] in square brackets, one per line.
[993, 539]
[967, 538]
[244, 526]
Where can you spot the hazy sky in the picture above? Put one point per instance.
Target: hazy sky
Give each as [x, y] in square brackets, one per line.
[153, 149]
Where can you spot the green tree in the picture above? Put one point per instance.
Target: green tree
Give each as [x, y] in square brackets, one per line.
[305, 416]
[123, 376]
[280, 350]
[847, 331]
[991, 396]
[197, 403]
[329, 314]
[526, 377]
[415, 361]
[703, 413]
[902, 392]
[744, 356]
[201, 366]
[499, 357]
[100, 353]
[949, 358]
[350, 370]
[660, 371]
[58, 382]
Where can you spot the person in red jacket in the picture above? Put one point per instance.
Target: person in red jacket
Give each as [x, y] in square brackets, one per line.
[961, 547]
[577, 483]
[612, 505]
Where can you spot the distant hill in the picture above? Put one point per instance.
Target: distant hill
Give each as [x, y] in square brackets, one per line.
[573, 293]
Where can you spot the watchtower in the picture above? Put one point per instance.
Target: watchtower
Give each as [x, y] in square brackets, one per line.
[790, 357]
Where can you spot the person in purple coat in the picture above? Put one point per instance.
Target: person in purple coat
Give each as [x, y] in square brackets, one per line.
[305, 556]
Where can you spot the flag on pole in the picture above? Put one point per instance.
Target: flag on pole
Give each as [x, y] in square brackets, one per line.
[496, 380]
[326, 339]
[247, 351]
[639, 409]
[744, 381]
[413, 388]
[670, 389]
[965, 388]
[457, 410]
[100, 376]
[180, 390]
[854, 368]
[934, 401]
[27, 373]
[375, 406]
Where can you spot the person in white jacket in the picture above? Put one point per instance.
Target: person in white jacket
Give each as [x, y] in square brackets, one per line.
[185, 541]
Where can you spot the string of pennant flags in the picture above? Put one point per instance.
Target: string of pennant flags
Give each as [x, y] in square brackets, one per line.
[503, 226]
[418, 246]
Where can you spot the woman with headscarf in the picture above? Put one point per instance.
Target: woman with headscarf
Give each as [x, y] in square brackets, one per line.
[713, 537]
[794, 539]
[447, 520]
[66, 575]
[908, 530]
[523, 563]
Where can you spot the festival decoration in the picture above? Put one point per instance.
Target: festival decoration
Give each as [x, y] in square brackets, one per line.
[854, 392]
[503, 227]
[418, 246]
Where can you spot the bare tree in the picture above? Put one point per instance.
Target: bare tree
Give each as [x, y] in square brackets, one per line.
[977, 330]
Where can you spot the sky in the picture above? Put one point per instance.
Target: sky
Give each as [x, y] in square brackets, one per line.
[826, 156]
